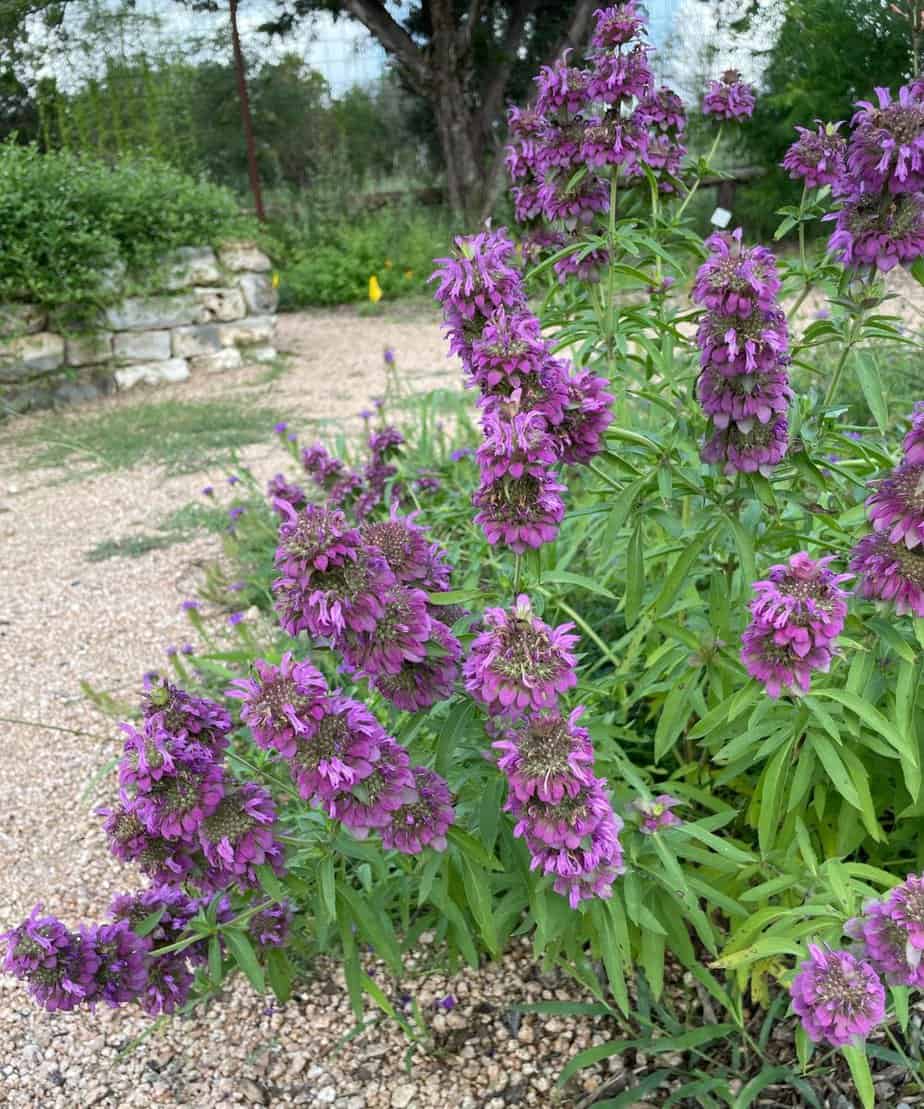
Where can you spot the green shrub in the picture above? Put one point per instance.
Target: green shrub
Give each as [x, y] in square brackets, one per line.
[66, 220]
[333, 264]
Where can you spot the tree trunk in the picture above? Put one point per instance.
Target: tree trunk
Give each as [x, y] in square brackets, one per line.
[246, 117]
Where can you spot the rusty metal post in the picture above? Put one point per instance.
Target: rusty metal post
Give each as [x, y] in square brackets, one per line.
[246, 117]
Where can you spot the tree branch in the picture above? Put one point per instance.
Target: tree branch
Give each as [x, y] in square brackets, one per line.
[393, 37]
[467, 30]
[493, 95]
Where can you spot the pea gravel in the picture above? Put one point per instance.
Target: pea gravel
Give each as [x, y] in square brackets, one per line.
[64, 620]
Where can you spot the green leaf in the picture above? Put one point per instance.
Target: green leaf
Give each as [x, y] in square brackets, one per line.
[674, 715]
[456, 597]
[280, 973]
[916, 269]
[468, 845]
[834, 768]
[214, 960]
[270, 882]
[150, 922]
[860, 1072]
[450, 733]
[871, 384]
[631, 1097]
[745, 547]
[677, 576]
[564, 577]
[375, 927]
[635, 576]
[480, 902]
[874, 719]
[771, 787]
[327, 886]
[246, 958]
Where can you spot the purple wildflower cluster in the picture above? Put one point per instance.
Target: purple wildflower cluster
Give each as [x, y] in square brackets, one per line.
[743, 340]
[840, 995]
[607, 118]
[729, 98]
[796, 616]
[890, 561]
[364, 591]
[341, 759]
[878, 179]
[517, 668]
[536, 412]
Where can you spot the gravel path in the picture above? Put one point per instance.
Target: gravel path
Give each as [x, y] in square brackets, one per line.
[63, 620]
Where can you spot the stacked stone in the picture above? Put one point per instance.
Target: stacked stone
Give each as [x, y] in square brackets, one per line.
[210, 310]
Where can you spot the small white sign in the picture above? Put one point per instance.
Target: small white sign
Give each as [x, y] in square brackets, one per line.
[721, 217]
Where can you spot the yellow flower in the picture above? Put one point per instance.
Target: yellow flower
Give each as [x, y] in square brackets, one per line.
[375, 289]
[275, 279]
[408, 274]
[388, 263]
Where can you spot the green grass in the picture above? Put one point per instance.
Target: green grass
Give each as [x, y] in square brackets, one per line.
[180, 436]
[179, 527]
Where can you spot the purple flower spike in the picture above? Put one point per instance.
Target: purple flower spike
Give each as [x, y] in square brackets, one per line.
[887, 144]
[279, 489]
[270, 927]
[404, 546]
[886, 945]
[616, 25]
[838, 997]
[163, 861]
[518, 662]
[399, 635]
[282, 703]
[731, 345]
[186, 716]
[424, 821]
[868, 232]
[817, 157]
[588, 414]
[518, 446]
[803, 602]
[913, 443]
[369, 804]
[621, 76]
[730, 98]
[561, 87]
[743, 399]
[339, 749]
[122, 972]
[520, 513]
[755, 451]
[778, 665]
[546, 756]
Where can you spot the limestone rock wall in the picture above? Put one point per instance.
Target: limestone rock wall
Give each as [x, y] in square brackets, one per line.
[212, 312]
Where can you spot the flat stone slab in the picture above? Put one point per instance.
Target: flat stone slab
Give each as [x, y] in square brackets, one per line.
[229, 358]
[142, 346]
[250, 330]
[222, 304]
[152, 373]
[243, 256]
[22, 319]
[204, 338]
[150, 313]
[191, 265]
[28, 355]
[259, 293]
[86, 350]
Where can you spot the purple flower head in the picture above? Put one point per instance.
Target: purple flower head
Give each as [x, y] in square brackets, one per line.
[616, 25]
[233, 479]
[270, 927]
[385, 443]
[582, 264]
[399, 635]
[621, 76]
[279, 489]
[329, 579]
[588, 414]
[168, 985]
[121, 975]
[175, 907]
[886, 148]
[208, 490]
[509, 346]
[58, 966]
[190, 606]
[803, 602]
[757, 450]
[187, 649]
[323, 469]
[516, 446]
[885, 943]
[339, 750]
[896, 509]
[446, 1003]
[890, 572]
[369, 803]
[838, 997]
[656, 813]
[389, 355]
[238, 836]
[757, 344]
[576, 205]
[163, 861]
[281, 703]
[235, 513]
[171, 651]
[913, 443]
[575, 840]
[421, 684]
[281, 428]
[174, 783]
[546, 755]
[870, 231]
[662, 108]
[236, 618]
[475, 281]
[424, 821]
[520, 512]
[907, 906]
[743, 399]
[186, 716]
[736, 280]
[777, 664]
[730, 98]
[427, 482]
[518, 662]
[817, 157]
[619, 141]
[403, 544]
[561, 87]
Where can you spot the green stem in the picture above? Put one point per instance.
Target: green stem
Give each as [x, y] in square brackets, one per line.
[54, 728]
[696, 183]
[517, 569]
[839, 368]
[604, 476]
